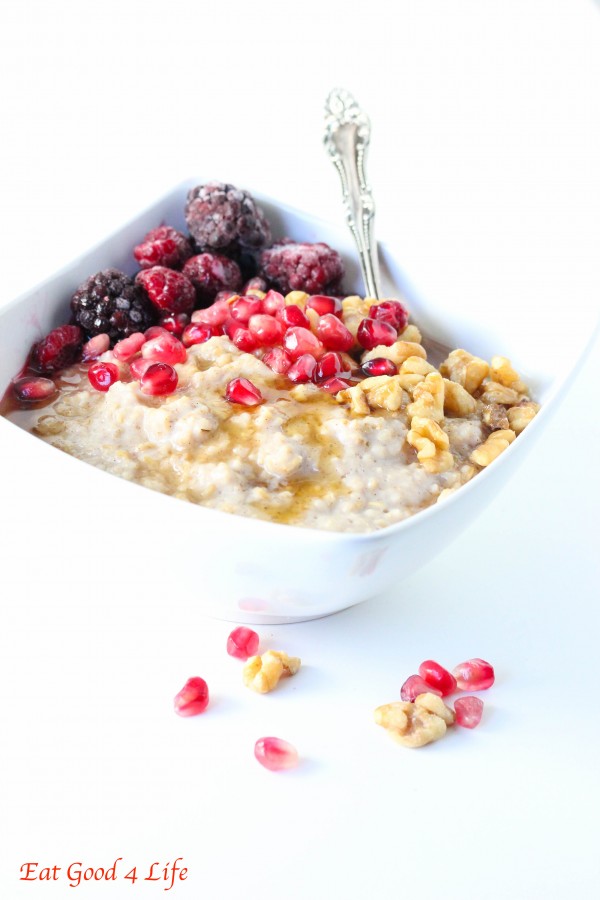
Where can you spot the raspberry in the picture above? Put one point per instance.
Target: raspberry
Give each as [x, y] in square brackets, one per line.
[163, 246]
[111, 303]
[314, 268]
[222, 217]
[57, 350]
[169, 291]
[210, 274]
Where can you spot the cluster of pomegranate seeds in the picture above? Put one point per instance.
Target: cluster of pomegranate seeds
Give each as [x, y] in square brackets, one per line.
[472, 675]
[158, 379]
[192, 699]
[102, 374]
[242, 391]
[275, 754]
[34, 390]
[242, 643]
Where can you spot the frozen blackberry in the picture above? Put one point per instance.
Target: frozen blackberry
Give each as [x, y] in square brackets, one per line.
[211, 273]
[111, 303]
[314, 268]
[224, 218]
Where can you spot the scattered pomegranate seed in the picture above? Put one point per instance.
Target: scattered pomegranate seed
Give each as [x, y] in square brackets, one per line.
[216, 314]
[266, 329]
[154, 331]
[245, 307]
[275, 754]
[199, 333]
[159, 379]
[334, 385]
[192, 699]
[324, 305]
[244, 339]
[101, 375]
[334, 334]
[328, 366]
[273, 302]
[437, 677]
[302, 369]
[129, 346]
[277, 360]
[138, 366]
[391, 311]
[95, 347]
[300, 341]
[242, 391]
[373, 333]
[165, 348]
[34, 390]
[175, 323]
[379, 366]
[242, 643]
[293, 316]
[415, 685]
[474, 675]
[469, 711]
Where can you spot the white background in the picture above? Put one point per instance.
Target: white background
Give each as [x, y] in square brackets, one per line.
[485, 167]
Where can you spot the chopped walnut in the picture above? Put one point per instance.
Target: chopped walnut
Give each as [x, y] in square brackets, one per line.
[296, 298]
[380, 392]
[354, 311]
[413, 370]
[415, 724]
[357, 399]
[398, 352]
[428, 398]
[466, 369]
[457, 400]
[502, 372]
[432, 445]
[494, 392]
[313, 317]
[491, 449]
[262, 673]
[494, 416]
[411, 334]
[521, 415]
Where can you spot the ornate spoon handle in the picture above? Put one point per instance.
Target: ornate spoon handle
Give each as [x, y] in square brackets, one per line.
[347, 135]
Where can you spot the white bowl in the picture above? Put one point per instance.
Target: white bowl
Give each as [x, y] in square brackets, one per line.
[240, 568]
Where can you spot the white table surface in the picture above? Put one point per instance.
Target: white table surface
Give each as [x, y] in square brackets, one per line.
[485, 167]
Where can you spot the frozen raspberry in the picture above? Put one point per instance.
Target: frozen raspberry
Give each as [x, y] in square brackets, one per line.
[222, 217]
[111, 303]
[57, 350]
[210, 274]
[163, 246]
[169, 291]
[314, 268]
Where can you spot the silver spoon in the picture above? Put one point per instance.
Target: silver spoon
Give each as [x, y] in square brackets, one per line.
[347, 136]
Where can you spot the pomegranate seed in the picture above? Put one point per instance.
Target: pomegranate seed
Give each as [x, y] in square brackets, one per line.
[192, 699]
[95, 347]
[391, 311]
[334, 385]
[380, 366]
[302, 369]
[244, 339]
[277, 360]
[129, 346]
[273, 302]
[292, 315]
[300, 341]
[373, 333]
[158, 379]
[469, 711]
[154, 331]
[275, 754]
[242, 643]
[199, 333]
[138, 366]
[165, 348]
[175, 323]
[102, 375]
[242, 391]
[216, 314]
[230, 326]
[328, 366]
[437, 677]
[334, 334]
[415, 685]
[266, 329]
[324, 305]
[245, 307]
[34, 390]
[474, 675]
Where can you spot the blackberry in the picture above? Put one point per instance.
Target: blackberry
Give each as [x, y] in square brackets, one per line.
[314, 268]
[224, 218]
[110, 302]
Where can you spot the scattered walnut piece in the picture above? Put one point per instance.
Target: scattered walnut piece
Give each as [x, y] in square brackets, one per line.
[494, 392]
[415, 724]
[413, 370]
[466, 369]
[457, 400]
[428, 398]
[411, 334]
[357, 399]
[521, 415]
[491, 449]
[494, 416]
[398, 352]
[296, 298]
[379, 392]
[431, 443]
[502, 371]
[262, 673]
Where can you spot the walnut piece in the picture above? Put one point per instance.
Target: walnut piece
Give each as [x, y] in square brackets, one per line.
[398, 352]
[262, 673]
[415, 724]
[502, 372]
[491, 449]
[494, 392]
[428, 398]
[296, 298]
[379, 392]
[494, 416]
[521, 415]
[432, 445]
[457, 400]
[466, 369]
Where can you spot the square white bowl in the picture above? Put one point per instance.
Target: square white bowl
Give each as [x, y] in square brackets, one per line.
[241, 568]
